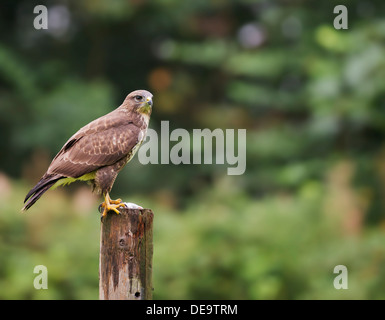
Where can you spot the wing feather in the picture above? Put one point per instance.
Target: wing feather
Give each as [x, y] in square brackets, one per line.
[101, 143]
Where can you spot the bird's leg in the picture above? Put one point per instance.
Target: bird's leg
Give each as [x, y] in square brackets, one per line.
[109, 205]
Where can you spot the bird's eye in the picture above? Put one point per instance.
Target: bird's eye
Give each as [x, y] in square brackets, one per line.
[138, 98]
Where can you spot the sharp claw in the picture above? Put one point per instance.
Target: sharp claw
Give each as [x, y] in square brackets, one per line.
[115, 210]
[109, 208]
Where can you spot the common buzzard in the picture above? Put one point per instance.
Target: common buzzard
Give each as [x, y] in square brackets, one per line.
[99, 150]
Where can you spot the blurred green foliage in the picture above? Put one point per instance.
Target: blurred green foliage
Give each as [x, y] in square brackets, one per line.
[311, 98]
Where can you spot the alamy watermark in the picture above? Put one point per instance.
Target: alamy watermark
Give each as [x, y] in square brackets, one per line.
[341, 20]
[341, 281]
[230, 147]
[41, 19]
[41, 280]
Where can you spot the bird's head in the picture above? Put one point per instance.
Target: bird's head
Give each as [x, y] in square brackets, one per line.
[140, 101]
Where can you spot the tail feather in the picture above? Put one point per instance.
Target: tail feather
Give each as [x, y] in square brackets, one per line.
[46, 182]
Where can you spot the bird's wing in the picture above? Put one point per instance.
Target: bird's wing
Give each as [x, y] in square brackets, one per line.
[101, 143]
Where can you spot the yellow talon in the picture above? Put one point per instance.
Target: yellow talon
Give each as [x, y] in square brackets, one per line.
[117, 201]
[111, 205]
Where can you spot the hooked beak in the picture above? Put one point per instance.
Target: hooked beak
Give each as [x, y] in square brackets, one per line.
[149, 101]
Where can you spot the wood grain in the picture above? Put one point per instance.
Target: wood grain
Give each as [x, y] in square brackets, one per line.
[126, 248]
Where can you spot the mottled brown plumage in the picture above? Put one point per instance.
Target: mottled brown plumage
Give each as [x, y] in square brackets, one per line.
[99, 150]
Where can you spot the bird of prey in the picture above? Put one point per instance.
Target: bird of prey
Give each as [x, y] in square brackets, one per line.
[99, 150]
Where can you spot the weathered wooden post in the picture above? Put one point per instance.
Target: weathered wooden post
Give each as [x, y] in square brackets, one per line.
[125, 261]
